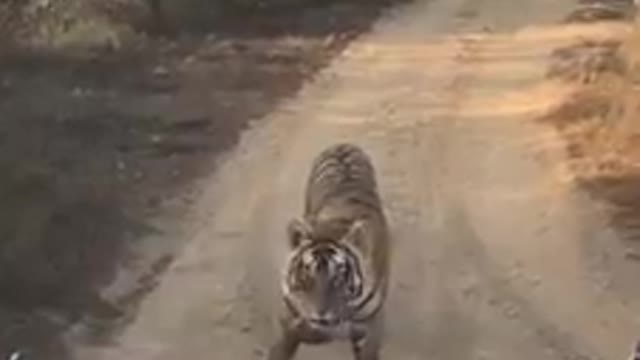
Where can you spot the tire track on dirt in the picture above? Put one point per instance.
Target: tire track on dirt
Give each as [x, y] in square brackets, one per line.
[480, 277]
[480, 284]
[543, 221]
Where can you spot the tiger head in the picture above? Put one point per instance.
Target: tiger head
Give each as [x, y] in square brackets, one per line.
[324, 280]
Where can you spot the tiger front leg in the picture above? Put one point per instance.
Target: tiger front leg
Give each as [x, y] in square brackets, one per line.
[285, 347]
[367, 345]
[366, 348]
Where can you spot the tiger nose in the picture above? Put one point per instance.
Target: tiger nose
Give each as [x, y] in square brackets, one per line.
[324, 319]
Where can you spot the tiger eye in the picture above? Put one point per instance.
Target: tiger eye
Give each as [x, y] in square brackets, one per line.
[306, 280]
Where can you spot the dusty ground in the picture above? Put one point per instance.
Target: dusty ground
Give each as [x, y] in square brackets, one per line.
[101, 157]
[496, 255]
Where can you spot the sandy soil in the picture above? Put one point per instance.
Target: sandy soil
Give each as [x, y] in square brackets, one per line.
[495, 256]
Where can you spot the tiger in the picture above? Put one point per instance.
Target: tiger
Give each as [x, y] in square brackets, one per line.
[335, 280]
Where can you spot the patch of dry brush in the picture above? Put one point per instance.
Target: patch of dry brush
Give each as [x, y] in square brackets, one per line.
[600, 120]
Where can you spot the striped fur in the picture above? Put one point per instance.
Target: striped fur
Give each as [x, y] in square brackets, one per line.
[335, 280]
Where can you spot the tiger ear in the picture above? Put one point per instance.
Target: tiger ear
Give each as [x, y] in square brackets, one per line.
[297, 232]
[357, 235]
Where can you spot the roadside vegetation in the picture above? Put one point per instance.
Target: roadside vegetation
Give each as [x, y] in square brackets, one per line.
[111, 112]
[600, 122]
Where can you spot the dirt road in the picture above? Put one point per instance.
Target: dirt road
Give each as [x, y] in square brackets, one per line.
[494, 254]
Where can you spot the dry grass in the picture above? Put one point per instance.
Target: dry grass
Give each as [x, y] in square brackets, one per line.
[601, 10]
[600, 123]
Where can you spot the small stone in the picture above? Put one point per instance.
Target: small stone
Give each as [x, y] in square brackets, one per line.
[189, 60]
[211, 37]
[515, 273]
[487, 28]
[511, 311]
[329, 40]
[632, 255]
[259, 352]
[156, 138]
[160, 71]
[245, 328]
[77, 92]
[469, 291]
[120, 165]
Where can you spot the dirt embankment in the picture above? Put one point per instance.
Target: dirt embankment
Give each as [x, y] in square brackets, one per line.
[99, 143]
[599, 120]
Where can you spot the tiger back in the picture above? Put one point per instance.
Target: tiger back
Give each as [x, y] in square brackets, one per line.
[341, 189]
